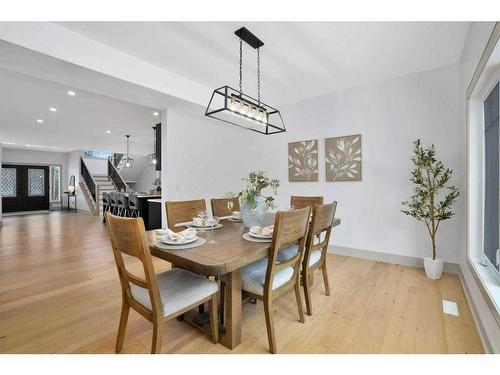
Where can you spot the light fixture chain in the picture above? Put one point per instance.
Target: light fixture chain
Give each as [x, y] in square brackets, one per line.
[258, 75]
[241, 67]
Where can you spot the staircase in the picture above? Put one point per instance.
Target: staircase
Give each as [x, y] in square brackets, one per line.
[103, 185]
[93, 185]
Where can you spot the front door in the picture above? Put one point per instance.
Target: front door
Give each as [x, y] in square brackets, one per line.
[25, 187]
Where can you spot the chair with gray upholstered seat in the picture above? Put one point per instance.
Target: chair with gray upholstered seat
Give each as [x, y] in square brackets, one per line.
[267, 279]
[157, 297]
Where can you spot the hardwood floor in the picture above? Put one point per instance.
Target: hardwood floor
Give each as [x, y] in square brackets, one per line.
[60, 293]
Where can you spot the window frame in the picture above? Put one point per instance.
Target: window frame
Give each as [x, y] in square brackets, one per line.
[492, 82]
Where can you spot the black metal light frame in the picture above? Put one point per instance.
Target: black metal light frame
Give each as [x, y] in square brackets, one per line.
[266, 128]
[219, 108]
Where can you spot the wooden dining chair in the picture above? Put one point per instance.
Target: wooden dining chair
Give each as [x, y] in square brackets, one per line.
[268, 279]
[222, 206]
[157, 297]
[315, 250]
[181, 211]
[302, 201]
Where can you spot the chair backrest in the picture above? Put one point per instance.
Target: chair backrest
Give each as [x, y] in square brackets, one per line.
[181, 211]
[128, 236]
[301, 202]
[133, 201]
[105, 198]
[289, 228]
[113, 198]
[224, 206]
[321, 223]
[122, 200]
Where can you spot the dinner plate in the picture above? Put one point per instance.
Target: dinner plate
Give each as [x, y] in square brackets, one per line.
[204, 226]
[235, 219]
[260, 236]
[168, 241]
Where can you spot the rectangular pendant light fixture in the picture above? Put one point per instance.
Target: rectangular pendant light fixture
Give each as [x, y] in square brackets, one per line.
[234, 107]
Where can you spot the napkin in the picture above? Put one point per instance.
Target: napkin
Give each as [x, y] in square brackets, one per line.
[199, 222]
[186, 234]
[263, 231]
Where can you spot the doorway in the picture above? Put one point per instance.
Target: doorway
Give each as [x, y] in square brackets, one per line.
[25, 187]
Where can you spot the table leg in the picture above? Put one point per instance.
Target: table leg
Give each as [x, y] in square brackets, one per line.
[232, 296]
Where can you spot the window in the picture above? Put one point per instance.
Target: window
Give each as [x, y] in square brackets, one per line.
[9, 182]
[491, 226]
[55, 183]
[36, 182]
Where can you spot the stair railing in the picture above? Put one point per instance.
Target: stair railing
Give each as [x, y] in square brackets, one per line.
[89, 180]
[115, 177]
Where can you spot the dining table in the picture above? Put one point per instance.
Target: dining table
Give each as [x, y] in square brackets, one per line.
[224, 259]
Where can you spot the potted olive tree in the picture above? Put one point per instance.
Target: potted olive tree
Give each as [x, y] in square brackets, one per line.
[431, 200]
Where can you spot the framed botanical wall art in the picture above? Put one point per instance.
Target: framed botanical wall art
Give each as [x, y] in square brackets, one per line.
[303, 161]
[343, 158]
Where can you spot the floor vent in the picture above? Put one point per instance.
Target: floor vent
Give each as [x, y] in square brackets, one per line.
[450, 308]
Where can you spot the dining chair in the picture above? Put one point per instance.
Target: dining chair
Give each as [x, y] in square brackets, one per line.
[224, 206]
[315, 250]
[133, 205]
[181, 211]
[113, 202]
[122, 203]
[303, 201]
[268, 279]
[105, 205]
[157, 297]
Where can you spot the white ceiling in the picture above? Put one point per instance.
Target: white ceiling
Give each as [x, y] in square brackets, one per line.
[299, 60]
[80, 122]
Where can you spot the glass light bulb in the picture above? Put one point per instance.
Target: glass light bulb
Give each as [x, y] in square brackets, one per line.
[232, 104]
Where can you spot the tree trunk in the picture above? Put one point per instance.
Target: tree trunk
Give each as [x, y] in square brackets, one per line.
[433, 246]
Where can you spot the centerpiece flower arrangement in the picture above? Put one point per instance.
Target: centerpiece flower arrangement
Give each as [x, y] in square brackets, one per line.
[253, 203]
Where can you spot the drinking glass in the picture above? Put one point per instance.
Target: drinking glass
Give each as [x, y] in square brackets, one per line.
[213, 222]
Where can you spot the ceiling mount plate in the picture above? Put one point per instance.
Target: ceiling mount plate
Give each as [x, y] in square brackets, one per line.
[249, 38]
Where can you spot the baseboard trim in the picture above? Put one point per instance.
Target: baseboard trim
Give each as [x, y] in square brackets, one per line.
[389, 258]
[488, 348]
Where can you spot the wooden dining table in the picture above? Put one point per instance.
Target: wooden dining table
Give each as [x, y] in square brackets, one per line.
[224, 259]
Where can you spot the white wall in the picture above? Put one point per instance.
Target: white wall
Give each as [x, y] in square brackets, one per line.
[96, 165]
[389, 115]
[479, 33]
[204, 158]
[142, 173]
[74, 170]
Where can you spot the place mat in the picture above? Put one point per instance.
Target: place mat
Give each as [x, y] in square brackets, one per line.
[163, 246]
[247, 237]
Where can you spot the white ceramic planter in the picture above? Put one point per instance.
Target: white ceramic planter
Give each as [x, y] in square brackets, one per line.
[433, 268]
[250, 218]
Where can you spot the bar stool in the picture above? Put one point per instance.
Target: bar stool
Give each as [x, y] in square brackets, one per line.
[105, 205]
[113, 202]
[122, 201]
[133, 205]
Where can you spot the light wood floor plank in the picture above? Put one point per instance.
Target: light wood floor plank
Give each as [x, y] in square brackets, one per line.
[59, 293]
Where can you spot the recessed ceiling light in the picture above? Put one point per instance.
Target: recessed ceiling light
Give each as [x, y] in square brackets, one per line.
[40, 121]
[156, 113]
[28, 145]
[71, 93]
[52, 109]
[108, 131]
